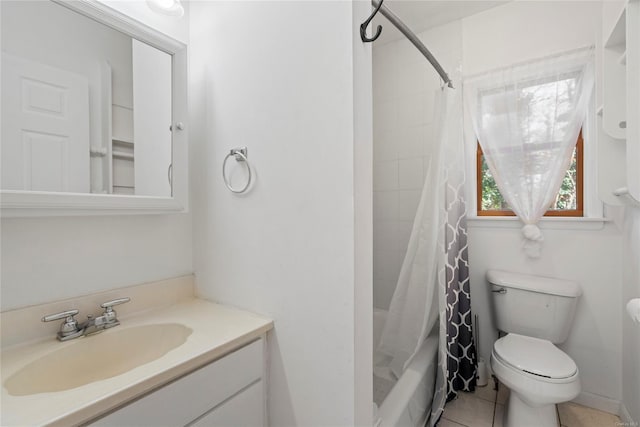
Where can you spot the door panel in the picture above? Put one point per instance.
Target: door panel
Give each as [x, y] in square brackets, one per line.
[45, 127]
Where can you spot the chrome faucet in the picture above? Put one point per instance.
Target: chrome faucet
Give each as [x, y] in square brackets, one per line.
[70, 328]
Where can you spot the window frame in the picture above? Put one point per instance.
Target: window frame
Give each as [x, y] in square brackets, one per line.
[578, 212]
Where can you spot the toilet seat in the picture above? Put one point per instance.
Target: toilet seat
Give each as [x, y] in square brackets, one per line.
[526, 366]
[534, 356]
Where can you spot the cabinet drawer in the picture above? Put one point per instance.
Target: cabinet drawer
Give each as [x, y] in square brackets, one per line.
[242, 410]
[187, 398]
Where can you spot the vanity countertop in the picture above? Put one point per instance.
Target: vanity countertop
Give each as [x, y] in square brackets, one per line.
[217, 331]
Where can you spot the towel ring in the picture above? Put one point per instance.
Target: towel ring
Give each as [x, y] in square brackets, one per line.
[240, 155]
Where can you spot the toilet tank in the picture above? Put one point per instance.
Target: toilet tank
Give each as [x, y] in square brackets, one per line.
[535, 306]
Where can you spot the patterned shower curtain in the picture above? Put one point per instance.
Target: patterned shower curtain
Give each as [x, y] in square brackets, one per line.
[461, 351]
[457, 362]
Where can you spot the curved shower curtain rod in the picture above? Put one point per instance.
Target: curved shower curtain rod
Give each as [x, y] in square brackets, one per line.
[404, 30]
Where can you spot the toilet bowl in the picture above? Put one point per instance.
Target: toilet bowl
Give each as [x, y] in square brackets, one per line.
[538, 374]
[535, 313]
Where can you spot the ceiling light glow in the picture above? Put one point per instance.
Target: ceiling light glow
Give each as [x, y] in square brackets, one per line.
[166, 7]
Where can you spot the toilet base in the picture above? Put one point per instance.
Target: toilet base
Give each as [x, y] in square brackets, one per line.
[519, 414]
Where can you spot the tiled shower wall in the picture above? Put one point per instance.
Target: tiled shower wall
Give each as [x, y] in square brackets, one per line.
[404, 92]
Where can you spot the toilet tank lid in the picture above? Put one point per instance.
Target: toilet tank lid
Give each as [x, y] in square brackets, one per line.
[545, 285]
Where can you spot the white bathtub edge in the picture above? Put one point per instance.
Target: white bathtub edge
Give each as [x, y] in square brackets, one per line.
[405, 404]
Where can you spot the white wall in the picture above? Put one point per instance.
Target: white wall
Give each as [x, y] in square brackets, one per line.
[631, 331]
[278, 77]
[363, 221]
[46, 259]
[525, 30]
[405, 89]
[592, 257]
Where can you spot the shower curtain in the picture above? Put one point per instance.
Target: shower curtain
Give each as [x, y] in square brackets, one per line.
[457, 359]
[434, 282]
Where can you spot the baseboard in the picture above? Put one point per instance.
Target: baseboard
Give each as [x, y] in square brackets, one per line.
[625, 417]
[600, 403]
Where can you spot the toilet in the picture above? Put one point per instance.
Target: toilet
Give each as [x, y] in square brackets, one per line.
[535, 313]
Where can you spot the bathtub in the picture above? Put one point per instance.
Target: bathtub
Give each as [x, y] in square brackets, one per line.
[408, 403]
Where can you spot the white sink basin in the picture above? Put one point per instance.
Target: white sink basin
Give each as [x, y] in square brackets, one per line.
[96, 358]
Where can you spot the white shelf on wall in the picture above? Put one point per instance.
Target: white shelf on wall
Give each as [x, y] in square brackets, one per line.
[614, 80]
[122, 141]
[122, 155]
[617, 35]
[623, 192]
[620, 110]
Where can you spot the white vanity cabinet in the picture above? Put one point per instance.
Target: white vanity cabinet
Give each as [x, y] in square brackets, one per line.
[228, 392]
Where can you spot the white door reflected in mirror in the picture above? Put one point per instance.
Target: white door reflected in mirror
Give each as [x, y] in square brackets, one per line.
[85, 108]
[45, 132]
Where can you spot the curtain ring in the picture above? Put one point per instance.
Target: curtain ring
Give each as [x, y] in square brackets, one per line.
[240, 155]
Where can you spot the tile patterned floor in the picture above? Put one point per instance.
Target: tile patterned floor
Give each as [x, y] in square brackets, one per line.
[485, 407]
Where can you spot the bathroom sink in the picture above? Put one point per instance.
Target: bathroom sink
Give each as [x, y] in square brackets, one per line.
[97, 357]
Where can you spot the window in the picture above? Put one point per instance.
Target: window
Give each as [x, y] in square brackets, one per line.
[568, 202]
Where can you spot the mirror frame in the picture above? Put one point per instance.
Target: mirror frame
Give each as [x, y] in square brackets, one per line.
[14, 203]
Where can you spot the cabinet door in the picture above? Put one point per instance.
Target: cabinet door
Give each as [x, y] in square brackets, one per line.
[243, 410]
[186, 399]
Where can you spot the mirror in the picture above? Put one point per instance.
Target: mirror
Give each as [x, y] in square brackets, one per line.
[86, 108]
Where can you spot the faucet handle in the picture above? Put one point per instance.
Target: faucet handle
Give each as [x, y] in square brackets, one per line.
[108, 306]
[68, 328]
[110, 315]
[57, 316]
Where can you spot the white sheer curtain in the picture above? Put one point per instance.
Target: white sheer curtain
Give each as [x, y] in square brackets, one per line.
[414, 307]
[527, 119]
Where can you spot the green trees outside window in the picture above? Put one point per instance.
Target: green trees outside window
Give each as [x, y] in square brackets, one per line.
[568, 201]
